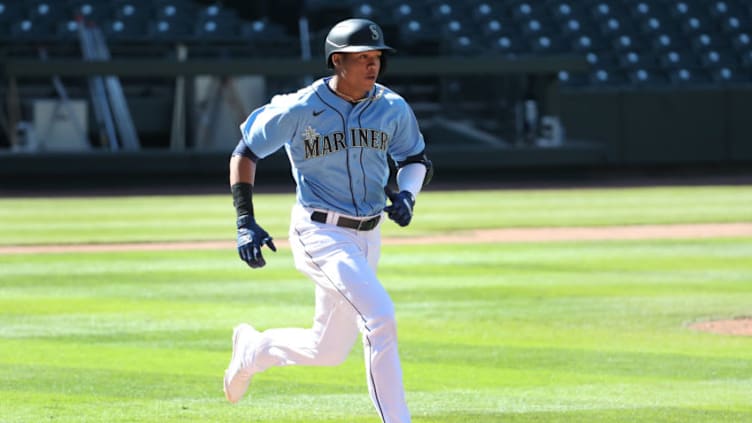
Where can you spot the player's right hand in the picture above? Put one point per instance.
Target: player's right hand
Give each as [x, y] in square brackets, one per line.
[251, 237]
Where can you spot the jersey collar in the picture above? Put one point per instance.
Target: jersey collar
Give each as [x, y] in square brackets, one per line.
[322, 88]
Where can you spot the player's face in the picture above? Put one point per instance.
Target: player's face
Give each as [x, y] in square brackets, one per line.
[360, 70]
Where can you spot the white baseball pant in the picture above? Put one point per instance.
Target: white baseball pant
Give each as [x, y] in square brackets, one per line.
[349, 299]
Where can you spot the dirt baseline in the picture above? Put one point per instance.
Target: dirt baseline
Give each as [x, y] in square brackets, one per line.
[741, 326]
[552, 234]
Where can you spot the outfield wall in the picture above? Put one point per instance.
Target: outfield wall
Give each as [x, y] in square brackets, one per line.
[704, 125]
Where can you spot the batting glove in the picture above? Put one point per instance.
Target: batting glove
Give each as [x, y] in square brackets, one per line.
[251, 237]
[401, 210]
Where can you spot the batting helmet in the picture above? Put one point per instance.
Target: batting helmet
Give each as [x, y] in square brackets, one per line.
[354, 36]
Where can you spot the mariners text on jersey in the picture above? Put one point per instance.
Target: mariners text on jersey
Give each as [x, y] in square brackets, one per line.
[317, 145]
[330, 140]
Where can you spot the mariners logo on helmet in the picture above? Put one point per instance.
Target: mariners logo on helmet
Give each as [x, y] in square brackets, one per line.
[354, 36]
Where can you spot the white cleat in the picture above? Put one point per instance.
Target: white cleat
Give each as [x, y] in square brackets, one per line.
[238, 374]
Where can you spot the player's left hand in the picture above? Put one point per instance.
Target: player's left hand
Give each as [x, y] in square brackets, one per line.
[251, 237]
[401, 210]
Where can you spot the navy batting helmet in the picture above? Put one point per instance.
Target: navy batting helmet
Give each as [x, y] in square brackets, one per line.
[354, 36]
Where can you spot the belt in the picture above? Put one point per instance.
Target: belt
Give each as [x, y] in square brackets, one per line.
[345, 222]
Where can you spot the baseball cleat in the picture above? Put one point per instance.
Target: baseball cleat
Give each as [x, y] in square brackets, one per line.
[238, 374]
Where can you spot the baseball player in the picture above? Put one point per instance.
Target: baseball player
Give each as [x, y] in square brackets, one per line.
[338, 133]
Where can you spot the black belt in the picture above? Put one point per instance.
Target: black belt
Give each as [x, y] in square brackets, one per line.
[346, 222]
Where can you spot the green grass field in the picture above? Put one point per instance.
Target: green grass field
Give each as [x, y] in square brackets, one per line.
[503, 332]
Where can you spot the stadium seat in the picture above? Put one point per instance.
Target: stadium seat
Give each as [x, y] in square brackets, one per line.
[674, 59]
[484, 11]
[696, 24]
[688, 76]
[128, 21]
[169, 10]
[170, 30]
[573, 79]
[731, 25]
[262, 29]
[405, 11]
[216, 12]
[603, 10]
[370, 10]
[679, 9]
[626, 42]
[647, 77]
[131, 10]
[746, 59]
[653, 25]
[67, 30]
[665, 42]
[464, 45]
[494, 28]
[571, 27]
[729, 75]
[613, 26]
[10, 11]
[713, 59]
[508, 45]
[742, 41]
[601, 60]
[124, 30]
[28, 30]
[545, 44]
[600, 77]
[454, 27]
[445, 11]
[215, 23]
[708, 41]
[89, 10]
[642, 10]
[266, 38]
[564, 10]
[44, 11]
[419, 37]
[534, 28]
[525, 10]
[725, 8]
[637, 60]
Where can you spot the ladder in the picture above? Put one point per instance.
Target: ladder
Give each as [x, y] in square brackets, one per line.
[110, 107]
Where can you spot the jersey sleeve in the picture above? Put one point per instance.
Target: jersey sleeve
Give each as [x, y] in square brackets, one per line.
[268, 128]
[407, 140]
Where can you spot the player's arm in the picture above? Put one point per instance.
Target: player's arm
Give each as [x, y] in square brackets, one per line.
[413, 174]
[414, 170]
[251, 237]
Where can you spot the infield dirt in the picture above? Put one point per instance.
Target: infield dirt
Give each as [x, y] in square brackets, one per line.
[636, 232]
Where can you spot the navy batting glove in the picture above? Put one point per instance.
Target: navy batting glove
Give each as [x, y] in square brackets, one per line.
[251, 237]
[401, 210]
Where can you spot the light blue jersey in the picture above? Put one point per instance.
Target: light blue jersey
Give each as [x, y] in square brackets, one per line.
[338, 150]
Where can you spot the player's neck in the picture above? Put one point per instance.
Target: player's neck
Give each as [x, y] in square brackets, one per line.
[349, 94]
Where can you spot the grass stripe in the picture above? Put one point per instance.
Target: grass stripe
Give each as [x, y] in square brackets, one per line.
[590, 331]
